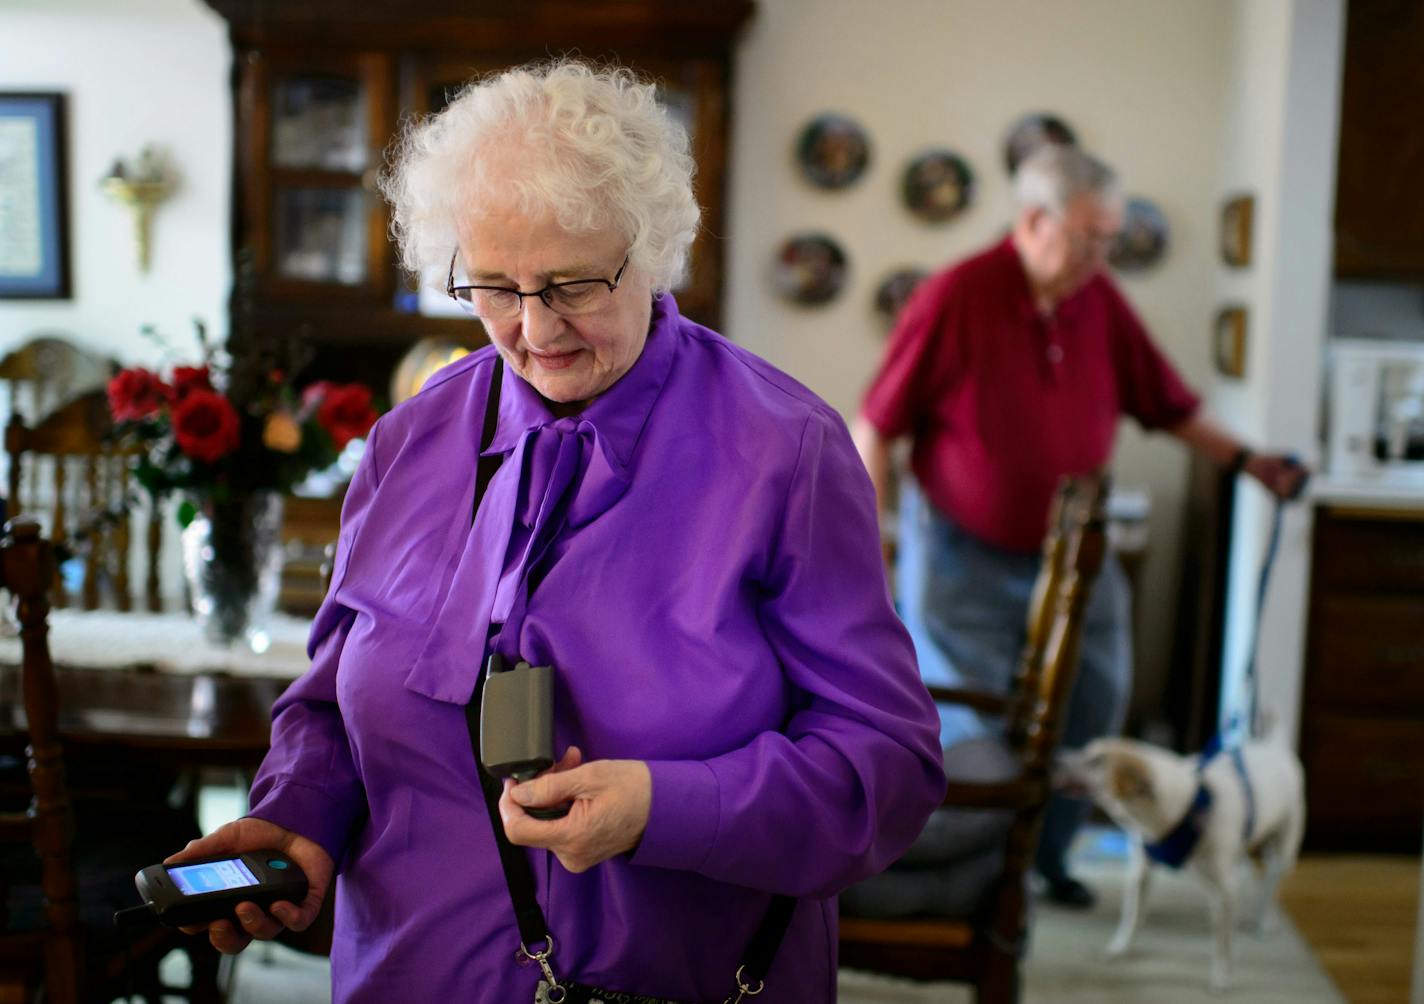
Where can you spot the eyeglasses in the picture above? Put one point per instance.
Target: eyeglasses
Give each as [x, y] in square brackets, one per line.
[569, 299]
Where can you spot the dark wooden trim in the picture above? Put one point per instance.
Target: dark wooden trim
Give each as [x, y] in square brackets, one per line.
[487, 25]
[930, 934]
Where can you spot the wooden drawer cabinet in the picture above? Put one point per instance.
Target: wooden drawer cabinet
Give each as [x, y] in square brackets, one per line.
[1365, 782]
[1370, 654]
[1358, 553]
[1362, 730]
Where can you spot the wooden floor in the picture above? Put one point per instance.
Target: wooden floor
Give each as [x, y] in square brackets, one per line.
[1359, 913]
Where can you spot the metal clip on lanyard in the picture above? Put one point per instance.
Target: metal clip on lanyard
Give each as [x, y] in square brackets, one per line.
[533, 928]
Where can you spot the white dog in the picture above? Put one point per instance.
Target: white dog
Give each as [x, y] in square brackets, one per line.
[1209, 819]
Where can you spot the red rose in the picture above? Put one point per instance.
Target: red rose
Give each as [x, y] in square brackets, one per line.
[190, 378]
[135, 393]
[205, 425]
[345, 412]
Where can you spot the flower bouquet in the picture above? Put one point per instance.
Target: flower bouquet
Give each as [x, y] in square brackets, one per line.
[231, 436]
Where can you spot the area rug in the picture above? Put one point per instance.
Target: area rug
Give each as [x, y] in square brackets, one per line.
[1169, 963]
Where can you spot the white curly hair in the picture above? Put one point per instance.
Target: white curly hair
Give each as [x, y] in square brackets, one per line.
[590, 145]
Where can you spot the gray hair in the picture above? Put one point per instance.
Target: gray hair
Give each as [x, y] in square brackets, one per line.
[1055, 174]
[588, 145]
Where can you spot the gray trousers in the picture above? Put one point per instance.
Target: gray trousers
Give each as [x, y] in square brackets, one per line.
[965, 604]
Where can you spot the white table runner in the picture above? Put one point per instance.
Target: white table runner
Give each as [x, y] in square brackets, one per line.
[170, 642]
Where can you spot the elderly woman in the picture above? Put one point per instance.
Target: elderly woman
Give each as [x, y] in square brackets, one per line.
[683, 533]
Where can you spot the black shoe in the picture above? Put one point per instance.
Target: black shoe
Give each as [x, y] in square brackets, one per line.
[1071, 893]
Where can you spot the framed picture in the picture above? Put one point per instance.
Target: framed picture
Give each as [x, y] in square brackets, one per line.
[1236, 231]
[937, 185]
[833, 151]
[34, 216]
[1230, 348]
[810, 269]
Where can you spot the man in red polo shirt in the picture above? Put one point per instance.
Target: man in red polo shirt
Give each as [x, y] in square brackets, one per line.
[1008, 371]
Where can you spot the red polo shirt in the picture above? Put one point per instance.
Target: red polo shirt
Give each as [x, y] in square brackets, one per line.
[1001, 402]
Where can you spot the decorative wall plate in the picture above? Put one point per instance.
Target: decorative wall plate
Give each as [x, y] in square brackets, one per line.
[1144, 237]
[810, 269]
[937, 185]
[895, 290]
[833, 151]
[1031, 132]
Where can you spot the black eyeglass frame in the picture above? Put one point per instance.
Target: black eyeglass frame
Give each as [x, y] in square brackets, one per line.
[543, 294]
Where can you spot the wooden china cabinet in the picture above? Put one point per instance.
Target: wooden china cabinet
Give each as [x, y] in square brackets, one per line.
[320, 89]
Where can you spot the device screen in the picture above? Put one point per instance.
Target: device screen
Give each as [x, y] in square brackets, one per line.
[211, 876]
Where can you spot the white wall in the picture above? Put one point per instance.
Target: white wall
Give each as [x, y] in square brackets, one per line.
[137, 72]
[1142, 82]
[1281, 144]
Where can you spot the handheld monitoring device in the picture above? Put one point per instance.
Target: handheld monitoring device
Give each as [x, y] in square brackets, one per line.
[517, 724]
[208, 889]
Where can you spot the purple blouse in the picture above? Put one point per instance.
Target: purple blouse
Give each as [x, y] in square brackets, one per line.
[708, 585]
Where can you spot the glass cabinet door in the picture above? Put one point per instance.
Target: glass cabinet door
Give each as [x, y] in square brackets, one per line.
[693, 93]
[319, 123]
[320, 235]
[318, 127]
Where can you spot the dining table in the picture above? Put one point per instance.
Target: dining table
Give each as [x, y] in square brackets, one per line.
[151, 686]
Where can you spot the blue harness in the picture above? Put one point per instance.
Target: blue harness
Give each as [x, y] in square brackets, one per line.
[1177, 845]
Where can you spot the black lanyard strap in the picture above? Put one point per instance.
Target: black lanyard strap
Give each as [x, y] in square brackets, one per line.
[533, 928]
[486, 467]
[518, 877]
[517, 874]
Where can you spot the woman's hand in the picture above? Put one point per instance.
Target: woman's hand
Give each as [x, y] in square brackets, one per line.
[250, 834]
[611, 800]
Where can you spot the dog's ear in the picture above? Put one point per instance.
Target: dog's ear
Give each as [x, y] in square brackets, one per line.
[1129, 779]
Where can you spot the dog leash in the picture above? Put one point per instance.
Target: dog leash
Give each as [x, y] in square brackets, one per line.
[1177, 845]
[1250, 681]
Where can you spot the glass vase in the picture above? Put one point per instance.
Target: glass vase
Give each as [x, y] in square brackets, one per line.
[232, 559]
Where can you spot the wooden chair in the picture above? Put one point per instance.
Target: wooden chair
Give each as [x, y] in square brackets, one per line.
[48, 371]
[81, 480]
[63, 867]
[984, 949]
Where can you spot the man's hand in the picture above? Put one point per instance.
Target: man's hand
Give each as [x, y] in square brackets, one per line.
[611, 800]
[251, 834]
[1282, 476]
